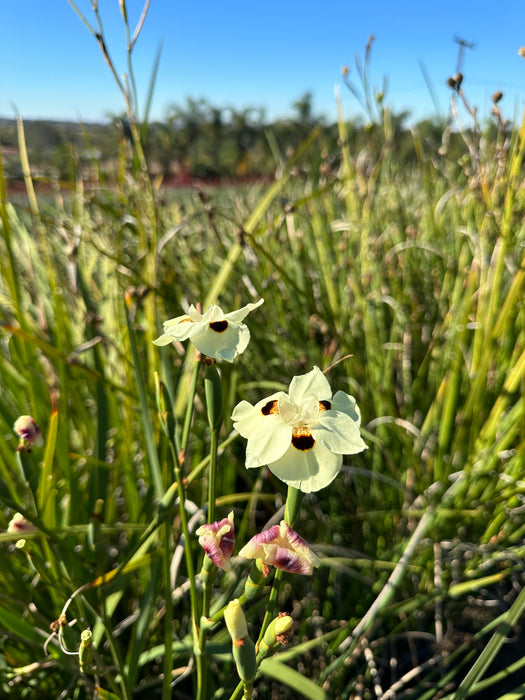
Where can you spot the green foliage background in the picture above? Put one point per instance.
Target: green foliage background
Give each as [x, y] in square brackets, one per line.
[406, 277]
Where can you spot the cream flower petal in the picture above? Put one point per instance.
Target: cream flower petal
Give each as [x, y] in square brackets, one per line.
[214, 314]
[183, 331]
[163, 340]
[338, 432]
[214, 333]
[268, 436]
[347, 404]
[309, 470]
[314, 383]
[224, 345]
[175, 321]
[247, 417]
[268, 443]
[240, 314]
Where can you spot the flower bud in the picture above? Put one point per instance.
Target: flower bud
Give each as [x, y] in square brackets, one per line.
[218, 540]
[235, 621]
[246, 661]
[85, 652]
[282, 547]
[455, 81]
[29, 433]
[277, 632]
[20, 525]
[243, 648]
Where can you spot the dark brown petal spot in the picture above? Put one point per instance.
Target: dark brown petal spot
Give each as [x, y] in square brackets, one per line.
[325, 405]
[219, 326]
[269, 408]
[302, 440]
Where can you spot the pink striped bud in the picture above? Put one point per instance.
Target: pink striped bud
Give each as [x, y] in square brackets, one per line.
[218, 540]
[280, 546]
[20, 525]
[29, 433]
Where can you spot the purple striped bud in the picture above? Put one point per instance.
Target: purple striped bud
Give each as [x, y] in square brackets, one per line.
[20, 525]
[218, 540]
[280, 546]
[29, 433]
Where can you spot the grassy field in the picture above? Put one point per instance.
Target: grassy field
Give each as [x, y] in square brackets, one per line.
[406, 285]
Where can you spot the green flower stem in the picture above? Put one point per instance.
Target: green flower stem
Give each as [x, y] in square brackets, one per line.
[187, 542]
[212, 472]
[189, 407]
[207, 576]
[245, 689]
[208, 573]
[177, 454]
[272, 603]
[168, 617]
[29, 498]
[213, 391]
[237, 692]
[292, 509]
[126, 692]
[201, 671]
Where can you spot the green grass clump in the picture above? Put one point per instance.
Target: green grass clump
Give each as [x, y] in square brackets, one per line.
[408, 283]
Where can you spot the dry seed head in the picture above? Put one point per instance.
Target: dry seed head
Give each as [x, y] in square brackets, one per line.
[455, 81]
[496, 97]
[522, 52]
[458, 78]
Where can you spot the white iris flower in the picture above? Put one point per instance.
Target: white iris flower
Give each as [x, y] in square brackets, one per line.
[215, 334]
[301, 435]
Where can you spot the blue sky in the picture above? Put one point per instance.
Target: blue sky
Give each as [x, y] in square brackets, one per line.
[258, 54]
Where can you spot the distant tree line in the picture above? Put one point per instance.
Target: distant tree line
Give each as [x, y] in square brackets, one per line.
[198, 140]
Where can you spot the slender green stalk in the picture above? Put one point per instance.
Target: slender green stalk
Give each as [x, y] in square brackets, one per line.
[153, 458]
[190, 398]
[294, 499]
[212, 474]
[292, 509]
[168, 612]
[272, 603]
[116, 655]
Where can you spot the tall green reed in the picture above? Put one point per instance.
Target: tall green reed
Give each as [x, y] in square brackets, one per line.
[413, 294]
